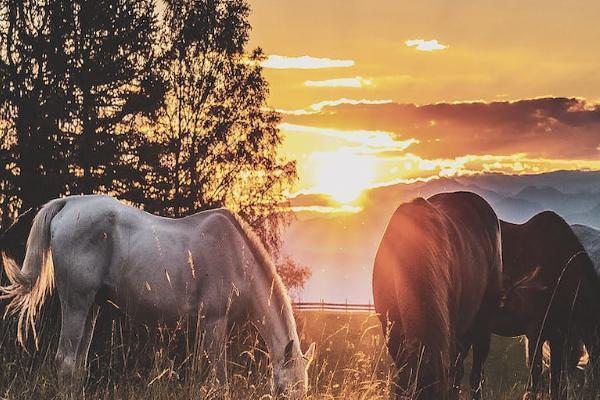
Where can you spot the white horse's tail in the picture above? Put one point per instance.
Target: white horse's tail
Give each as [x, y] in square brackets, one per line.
[30, 285]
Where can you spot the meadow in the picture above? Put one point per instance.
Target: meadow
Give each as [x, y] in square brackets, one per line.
[351, 364]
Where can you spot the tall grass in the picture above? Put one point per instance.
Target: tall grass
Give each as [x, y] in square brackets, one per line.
[351, 363]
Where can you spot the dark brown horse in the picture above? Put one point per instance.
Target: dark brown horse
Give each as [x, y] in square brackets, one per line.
[552, 294]
[436, 282]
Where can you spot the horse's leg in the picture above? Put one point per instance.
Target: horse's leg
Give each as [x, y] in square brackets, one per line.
[86, 340]
[215, 342]
[404, 379]
[534, 359]
[556, 366]
[75, 311]
[459, 368]
[481, 349]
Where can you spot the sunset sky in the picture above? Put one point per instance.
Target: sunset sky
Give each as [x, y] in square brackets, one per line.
[374, 92]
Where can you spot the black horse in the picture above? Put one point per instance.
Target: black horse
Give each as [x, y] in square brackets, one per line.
[551, 294]
[436, 284]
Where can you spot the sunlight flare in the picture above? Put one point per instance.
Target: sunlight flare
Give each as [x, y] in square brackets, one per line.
[343, 174]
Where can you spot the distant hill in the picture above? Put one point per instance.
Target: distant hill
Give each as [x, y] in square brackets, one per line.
[564, 181]
[590, 217]
[563, 203]
[340, 247]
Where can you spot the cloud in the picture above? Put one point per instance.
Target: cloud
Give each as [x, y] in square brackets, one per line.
[372, 140]
[332, 103]
[355, 82]
[548, 128]
[425, 45]
[470, 164]
[344, 209]
[294, 112]
[304, 62]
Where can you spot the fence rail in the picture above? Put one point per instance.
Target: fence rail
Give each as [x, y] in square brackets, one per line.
[324, 306]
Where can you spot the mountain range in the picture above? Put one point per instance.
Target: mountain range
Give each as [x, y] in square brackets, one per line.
[340, 247]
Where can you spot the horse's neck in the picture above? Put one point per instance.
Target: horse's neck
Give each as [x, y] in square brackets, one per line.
[275, 322]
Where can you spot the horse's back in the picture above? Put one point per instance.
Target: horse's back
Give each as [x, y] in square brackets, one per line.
[470, 211]
[157, 267]
[546, 239]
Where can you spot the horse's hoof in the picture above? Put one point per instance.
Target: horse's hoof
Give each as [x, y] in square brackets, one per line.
[455, 393]
[531, 396]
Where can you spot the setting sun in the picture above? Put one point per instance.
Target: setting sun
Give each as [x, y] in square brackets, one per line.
[343, 174]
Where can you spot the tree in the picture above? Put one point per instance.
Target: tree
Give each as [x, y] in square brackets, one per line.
[293, 275]
[215, 142]
[169, 113]
[114, 74]
[33, 102]
[74, 76]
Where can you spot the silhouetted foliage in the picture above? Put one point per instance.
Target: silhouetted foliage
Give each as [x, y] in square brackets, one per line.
[74, 75]
[34, 100]
[293, 275]
[215, 141]
[114, 78]
[166, 111]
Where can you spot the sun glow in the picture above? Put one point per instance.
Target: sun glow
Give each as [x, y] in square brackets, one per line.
[343, 174]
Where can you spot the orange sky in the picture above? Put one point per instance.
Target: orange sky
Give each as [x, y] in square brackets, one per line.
[377, 92]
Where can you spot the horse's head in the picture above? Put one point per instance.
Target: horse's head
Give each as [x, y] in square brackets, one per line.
[290, 373]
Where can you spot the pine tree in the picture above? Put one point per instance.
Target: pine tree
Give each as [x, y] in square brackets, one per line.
[34, 97]
[74, 77]
[115, 79]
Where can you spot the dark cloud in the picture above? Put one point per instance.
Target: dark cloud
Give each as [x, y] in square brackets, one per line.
[542, 127]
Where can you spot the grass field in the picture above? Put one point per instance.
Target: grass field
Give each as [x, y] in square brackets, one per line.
[351, 364]
[353, 361]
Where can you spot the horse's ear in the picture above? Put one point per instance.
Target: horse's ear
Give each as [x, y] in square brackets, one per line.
[310, 354]
[288, 352]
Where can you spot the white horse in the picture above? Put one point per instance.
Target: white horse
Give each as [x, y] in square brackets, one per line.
[209, 267]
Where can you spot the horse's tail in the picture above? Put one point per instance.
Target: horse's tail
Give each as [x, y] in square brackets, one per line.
[30, 285]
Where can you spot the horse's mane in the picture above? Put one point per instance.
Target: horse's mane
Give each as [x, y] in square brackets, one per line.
[278, 290]
[414, 225]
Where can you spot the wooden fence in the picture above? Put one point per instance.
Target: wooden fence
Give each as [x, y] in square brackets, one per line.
[323, 306]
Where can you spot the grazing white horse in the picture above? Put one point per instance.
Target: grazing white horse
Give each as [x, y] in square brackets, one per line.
[208, 267]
